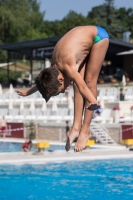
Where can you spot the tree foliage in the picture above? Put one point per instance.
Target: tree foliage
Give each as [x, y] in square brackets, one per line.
[110, 19]
[13, 75]
[71, 20]
[20, 20]
[23, 20]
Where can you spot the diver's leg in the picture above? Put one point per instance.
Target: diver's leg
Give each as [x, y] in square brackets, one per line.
[26, 150]
[92, 70]
[78, 110]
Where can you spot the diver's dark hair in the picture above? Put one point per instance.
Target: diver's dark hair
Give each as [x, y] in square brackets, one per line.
[47, 82]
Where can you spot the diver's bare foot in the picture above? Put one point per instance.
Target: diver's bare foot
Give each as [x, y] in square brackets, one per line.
[71, 137]
[81, 142]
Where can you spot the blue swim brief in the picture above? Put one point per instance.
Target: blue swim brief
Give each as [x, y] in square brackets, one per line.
[101, 34]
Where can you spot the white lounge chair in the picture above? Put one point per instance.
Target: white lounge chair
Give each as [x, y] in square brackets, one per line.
[43, 116]
[129, 94]
[126, 119]
[3, 112]
[69, 117]
[59, 115]
[112, 94]
[22, 114]
[31, 116]
[12, 114]
[102, 94]
[104, 117]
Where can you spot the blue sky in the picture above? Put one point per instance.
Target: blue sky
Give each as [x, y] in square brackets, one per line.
[57, 9]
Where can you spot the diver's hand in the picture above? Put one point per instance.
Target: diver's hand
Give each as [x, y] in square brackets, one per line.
[22, 92]
[93, 106]
[27, 92]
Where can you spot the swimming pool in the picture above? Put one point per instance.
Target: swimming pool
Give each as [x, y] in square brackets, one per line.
[14, 146]
[93, 180]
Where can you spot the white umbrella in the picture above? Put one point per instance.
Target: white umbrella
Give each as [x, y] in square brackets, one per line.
[1, 91]
[10, 104]
[32, 106]
[70, 103]
[125, 53]
[5, 64]
[47, 63]
[22, 105]
[11, 90]
[54, 106]
[102, 103]
[44, 106]
[29, 77]
[123, 80]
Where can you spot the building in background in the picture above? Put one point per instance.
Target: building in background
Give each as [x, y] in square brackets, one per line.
[39, 53]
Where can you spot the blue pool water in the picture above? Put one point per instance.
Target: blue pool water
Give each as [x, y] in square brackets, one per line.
[91, 180]
[13, 147]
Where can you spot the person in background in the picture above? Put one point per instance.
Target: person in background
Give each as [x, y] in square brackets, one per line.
[26, 146]
[122, 96]
[3, 127]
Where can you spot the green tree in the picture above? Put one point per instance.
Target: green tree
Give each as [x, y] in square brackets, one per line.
[13, 20]
[109, 7]
[36, 19]
[20, 20]
[130, 20]
[109, 18]
[71, 20]
[126, 19]
[13, 75]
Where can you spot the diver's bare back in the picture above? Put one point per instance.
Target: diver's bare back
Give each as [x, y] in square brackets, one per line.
[73, 47]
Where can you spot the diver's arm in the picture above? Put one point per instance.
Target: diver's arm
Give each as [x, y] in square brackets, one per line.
[27, 92]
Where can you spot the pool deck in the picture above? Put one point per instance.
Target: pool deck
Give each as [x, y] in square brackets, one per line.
[96, 152]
